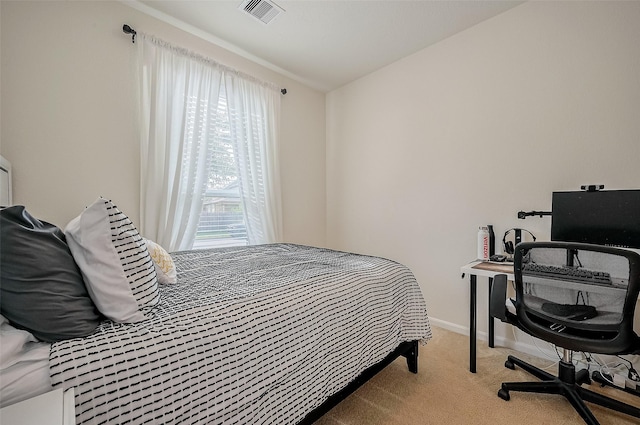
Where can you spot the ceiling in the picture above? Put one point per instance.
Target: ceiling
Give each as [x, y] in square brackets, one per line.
[326, 44]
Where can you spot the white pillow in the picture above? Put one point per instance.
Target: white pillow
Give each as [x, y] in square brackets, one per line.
[165, 267]
[114, 262]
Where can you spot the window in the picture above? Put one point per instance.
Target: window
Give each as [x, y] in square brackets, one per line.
[221, 221]
[208, 143]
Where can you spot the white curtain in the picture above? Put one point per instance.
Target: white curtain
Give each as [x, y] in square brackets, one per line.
[254, 120]
[179, 93]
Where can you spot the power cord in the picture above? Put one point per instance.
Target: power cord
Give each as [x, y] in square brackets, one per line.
[632, 374]
[545, 354]
[611, 375]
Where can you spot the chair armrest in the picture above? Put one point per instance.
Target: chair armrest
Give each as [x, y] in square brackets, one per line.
[497, 306]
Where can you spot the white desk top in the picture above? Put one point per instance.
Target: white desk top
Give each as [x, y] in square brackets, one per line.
[488, 269]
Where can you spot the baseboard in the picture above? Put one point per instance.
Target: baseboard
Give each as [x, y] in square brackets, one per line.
[543, 350]
[449, 326]
[525, 343]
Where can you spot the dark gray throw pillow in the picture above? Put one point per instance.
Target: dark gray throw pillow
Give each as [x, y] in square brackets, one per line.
[41, 288]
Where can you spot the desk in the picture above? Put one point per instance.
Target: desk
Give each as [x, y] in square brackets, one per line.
[489, 270]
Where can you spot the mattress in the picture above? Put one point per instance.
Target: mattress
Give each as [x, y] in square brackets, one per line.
[250, 335]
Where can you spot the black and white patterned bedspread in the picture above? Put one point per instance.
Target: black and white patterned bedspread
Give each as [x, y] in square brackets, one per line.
[251, 335]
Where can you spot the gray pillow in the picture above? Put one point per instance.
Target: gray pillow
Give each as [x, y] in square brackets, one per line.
[41, 288]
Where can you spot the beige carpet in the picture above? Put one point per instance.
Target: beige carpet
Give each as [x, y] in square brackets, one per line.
[445, 392]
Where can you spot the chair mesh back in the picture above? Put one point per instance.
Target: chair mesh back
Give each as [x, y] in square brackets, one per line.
[576, 292]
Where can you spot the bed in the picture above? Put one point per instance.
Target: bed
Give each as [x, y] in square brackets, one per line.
[262, 334]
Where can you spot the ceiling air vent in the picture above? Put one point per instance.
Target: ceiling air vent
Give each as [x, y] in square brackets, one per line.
[263, 10]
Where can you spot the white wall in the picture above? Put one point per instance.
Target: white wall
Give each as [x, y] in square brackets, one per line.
[467, 132]
[69, 113]
[491, 121]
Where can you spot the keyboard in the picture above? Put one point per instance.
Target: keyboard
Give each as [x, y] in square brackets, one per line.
[567, 273]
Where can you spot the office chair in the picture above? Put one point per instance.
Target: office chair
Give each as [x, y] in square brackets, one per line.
[580, 297]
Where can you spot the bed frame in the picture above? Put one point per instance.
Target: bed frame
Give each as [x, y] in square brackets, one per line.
[406, 349]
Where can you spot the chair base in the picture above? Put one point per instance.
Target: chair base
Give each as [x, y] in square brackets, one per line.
[567, 383]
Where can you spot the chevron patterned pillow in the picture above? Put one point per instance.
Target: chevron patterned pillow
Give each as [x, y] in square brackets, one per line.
[165, 268]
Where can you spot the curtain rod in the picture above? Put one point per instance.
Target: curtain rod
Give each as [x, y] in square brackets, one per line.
[128, 30]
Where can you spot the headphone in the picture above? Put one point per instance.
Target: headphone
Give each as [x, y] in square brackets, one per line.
[509, 248]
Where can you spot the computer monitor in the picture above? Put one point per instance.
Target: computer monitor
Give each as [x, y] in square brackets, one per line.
[610, 217]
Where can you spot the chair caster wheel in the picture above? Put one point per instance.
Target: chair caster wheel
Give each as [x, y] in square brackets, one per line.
[504, 394]
[582, 377]
[509, 365]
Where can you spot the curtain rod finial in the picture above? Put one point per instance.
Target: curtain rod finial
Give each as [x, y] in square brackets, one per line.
[283, 91]
[128, 30]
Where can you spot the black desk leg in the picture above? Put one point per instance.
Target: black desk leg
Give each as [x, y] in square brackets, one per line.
[472, 324]
[491, 328]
